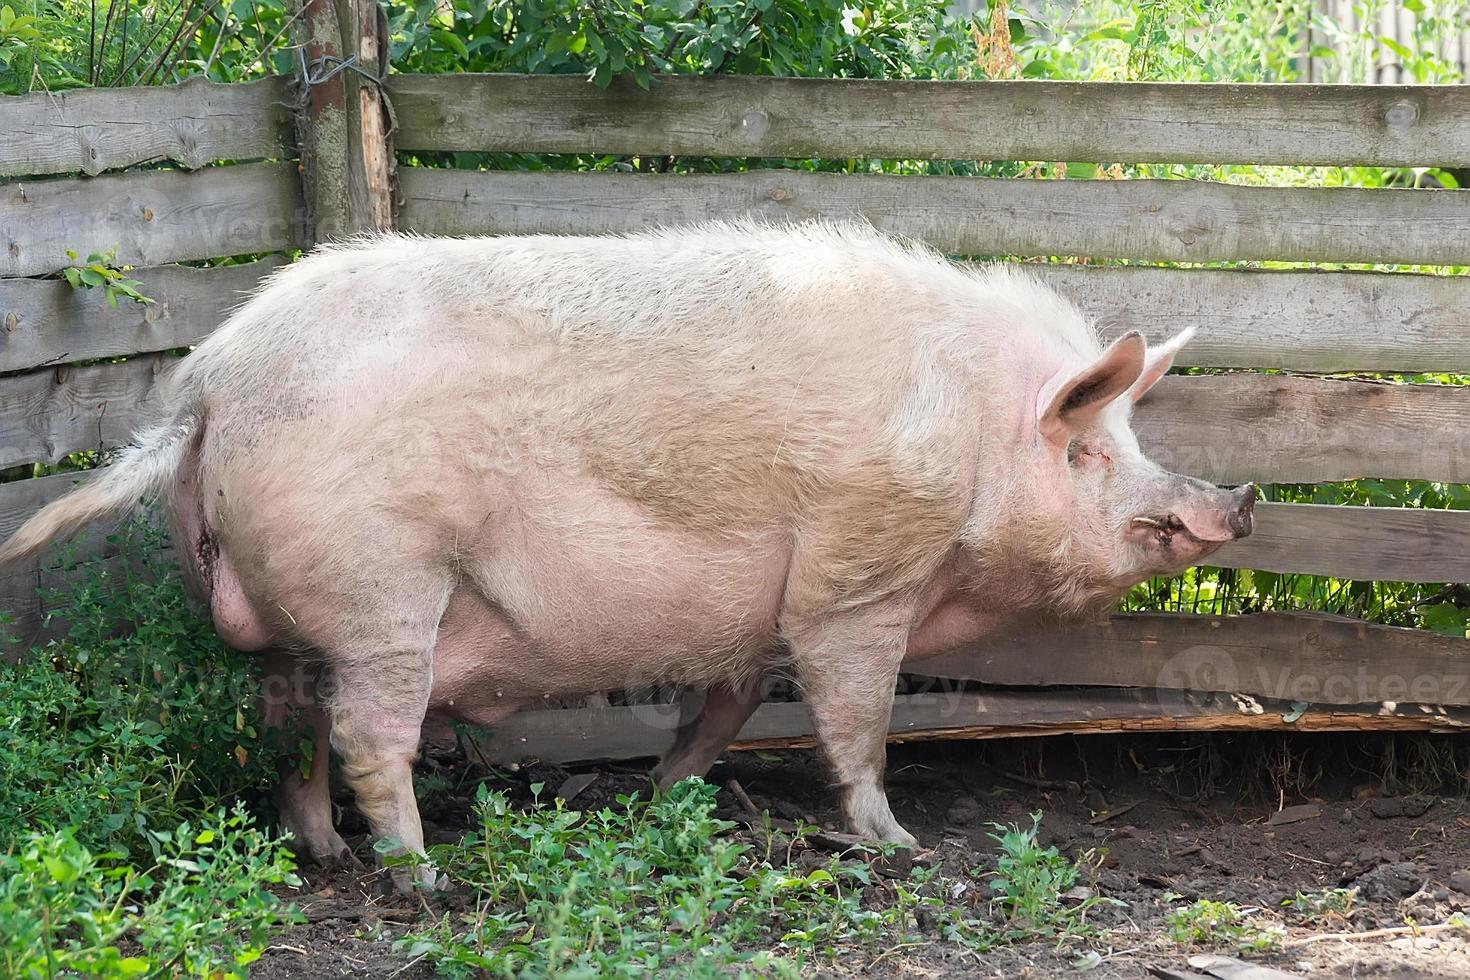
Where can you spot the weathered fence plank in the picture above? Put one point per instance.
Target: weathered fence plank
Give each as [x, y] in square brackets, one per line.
[32, 590]
[44, 415]
[21, 586]
[1305, 321]
[1389, 544]
[1164, 220]
[1300, 321]
[1311, 657]
[1233, 428]
[192, 124]
[93, 407]
[1331, 125]
[152, 217]
[1227, 429]
[46, 321]
[642, 731]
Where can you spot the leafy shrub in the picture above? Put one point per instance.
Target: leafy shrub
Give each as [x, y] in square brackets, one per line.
[137, 719]
[200, 908]
[118, 744]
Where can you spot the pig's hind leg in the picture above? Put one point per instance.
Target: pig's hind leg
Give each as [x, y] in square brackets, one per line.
[303, 801]
[707, 726]
[381, 670]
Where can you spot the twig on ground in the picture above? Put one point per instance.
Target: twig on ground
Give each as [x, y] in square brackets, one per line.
[1377, 933]
[733, 785]
[883, 956]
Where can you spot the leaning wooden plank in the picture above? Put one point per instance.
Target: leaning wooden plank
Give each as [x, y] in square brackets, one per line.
[46, 414]
[1389, 544]
[152, 217]
[1233, 428]
[46, 321]
[21, 499]
[1301, 321]
[1166, 220]
[30, 592]
[192, 124]
[729, 116]
[641, 731]
[1311, 657]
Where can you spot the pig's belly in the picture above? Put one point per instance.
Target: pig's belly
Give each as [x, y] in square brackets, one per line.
[572, 596]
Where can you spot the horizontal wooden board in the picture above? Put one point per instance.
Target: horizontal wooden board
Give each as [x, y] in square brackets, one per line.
[644, 731]
[192, 124]
[1389, 544]
[1225, 428]
[151, 217]
[1307, 657]
[1164, 220]
[1301, 321]
[1305, 321]
[46, 414]
[729, 116]
[46, 321]
[1234, 428]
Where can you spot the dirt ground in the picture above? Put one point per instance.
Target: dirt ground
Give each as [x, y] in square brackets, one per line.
[1175, 820]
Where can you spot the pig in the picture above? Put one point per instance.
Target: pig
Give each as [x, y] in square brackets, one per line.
[434, 478]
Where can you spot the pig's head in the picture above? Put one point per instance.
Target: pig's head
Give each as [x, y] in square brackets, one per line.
[1127, 518]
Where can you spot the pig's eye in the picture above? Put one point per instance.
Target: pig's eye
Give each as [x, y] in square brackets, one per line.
[1080, 452]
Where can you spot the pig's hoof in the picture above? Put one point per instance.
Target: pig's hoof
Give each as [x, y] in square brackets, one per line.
[889, 831]
[420, 880]
[340, 860]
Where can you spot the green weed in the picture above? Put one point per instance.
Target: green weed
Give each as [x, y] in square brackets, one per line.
[1029, 881]
[1330, 905]
[1209, 923]
[199, 906]
[662, 885]
[121, 744]
[101, 271]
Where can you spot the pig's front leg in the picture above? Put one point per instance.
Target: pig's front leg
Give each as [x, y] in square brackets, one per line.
[847, 664]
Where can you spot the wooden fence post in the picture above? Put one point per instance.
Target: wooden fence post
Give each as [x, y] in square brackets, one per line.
[342, 121]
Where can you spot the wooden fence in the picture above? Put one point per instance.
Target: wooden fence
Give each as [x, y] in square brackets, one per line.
[1138, 672]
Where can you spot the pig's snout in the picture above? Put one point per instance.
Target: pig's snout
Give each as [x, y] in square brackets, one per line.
[1240, 515]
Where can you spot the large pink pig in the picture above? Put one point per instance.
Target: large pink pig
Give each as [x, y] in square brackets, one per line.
[460, 475]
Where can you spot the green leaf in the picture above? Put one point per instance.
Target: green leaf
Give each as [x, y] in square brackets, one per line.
[1397, 48]
[204, 837]
[61, 869]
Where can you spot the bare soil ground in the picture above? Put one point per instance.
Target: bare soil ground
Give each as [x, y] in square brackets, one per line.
[1251, 820]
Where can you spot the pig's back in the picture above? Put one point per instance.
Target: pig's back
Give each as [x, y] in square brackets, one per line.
[720, 374]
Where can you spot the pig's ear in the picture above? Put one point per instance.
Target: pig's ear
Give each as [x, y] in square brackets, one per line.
[1072, 402]
[1159, 360]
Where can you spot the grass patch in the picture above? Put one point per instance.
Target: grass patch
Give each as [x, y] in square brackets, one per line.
[664, 886]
